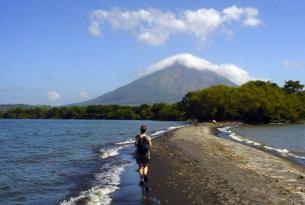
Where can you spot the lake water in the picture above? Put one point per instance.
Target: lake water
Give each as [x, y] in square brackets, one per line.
[67, 161]
[286, 141]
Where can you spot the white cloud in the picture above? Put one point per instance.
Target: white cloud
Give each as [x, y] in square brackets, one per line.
[251, 19]
[94, 28]
[84, 94]
[154, 27]
[53, 96]
[230, 71]
[233, 13]
[291, 64]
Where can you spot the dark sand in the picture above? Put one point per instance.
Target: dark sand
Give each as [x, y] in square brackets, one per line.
[193, 166]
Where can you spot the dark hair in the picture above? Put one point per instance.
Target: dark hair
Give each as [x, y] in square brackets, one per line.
[143, 129]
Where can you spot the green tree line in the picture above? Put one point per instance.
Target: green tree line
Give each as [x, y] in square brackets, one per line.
[158, 111]
[253, 102]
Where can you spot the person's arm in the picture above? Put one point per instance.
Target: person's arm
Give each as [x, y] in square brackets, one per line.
[149, 143]
[136, 141]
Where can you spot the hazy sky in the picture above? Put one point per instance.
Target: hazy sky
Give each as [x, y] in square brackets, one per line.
[65, 51]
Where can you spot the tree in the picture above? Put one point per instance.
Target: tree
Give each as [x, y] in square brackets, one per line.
[144, 112]
[155, 109]
[293, 86]
[171, 112]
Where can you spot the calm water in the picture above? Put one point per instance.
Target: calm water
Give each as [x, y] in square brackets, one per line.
[66, 161]
[284, 140]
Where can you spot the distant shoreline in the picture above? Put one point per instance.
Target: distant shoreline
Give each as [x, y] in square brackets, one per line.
[220, 123]
[193, 166]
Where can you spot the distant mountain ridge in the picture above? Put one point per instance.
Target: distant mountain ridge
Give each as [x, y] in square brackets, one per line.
[167, 85]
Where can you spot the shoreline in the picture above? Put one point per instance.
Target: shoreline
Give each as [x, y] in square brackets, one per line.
[224, 132]
[193, 166]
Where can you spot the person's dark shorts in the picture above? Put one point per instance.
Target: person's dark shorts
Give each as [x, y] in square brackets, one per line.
[142, 158]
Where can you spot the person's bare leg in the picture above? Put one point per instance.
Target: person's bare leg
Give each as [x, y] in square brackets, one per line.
[141, 172]
[145, 172]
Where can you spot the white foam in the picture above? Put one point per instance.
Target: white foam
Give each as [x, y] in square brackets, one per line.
[236, 137]
[158, 133]
[252, 142]
[284, 151]
[242, 139]
[249, 142]
[233, 135]
[267, 147]
[129, 141]
[225, 129]
[175, 127]
[297, 156]
[110, 152]
[168, 129]
[107, 182]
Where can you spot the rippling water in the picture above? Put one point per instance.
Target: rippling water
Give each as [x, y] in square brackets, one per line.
[283, 140]
[65, 161]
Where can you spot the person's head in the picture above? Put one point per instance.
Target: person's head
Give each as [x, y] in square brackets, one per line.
[143, 129]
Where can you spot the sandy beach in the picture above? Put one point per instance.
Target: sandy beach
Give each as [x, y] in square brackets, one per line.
[193, 166]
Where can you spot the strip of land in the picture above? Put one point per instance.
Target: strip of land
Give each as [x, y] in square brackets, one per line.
[193, 166]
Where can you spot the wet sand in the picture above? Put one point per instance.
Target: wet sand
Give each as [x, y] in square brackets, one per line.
[193, 166]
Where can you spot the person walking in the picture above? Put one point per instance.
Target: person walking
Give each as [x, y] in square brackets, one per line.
[144, 146]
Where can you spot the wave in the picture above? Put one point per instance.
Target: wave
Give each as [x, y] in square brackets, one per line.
[277, 149]
[282, 151]
[176, 127]
[225, 129]
[129, 141]
[110, 152]
[108, 181]
[299, 157]
[160, 132]
[113, 149]
[156, 133]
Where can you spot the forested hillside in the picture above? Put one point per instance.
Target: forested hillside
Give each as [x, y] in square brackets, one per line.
[253, 102]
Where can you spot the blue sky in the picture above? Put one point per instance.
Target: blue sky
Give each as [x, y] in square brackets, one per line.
[48, 55]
